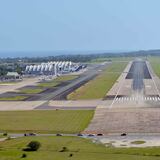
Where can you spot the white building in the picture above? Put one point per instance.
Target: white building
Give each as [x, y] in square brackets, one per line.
[52, 68]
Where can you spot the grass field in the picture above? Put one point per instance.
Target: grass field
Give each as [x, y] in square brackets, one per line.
[31, 91]
[10, 83]
[59, 121]
[13, 98]
[138, 142]
[155, 63]
[57, 81]
[81, 149]
[98, 87]
[98, 60]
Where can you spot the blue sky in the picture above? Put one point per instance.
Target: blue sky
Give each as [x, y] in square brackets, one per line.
[78, 25]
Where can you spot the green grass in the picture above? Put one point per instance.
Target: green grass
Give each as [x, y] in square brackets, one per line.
[9, 82]
[13, 98]
[59, 121]
[66, 78]
[57, 81]
[98, 60]
[138, 142]
[82, 149]
[48, 84]
[31, 91]
[155, 63]
[99, 86]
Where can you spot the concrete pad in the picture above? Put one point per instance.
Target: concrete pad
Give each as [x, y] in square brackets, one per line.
[12, 105]
[127, 141]
[122, 85]
[78, 103]
[10, 88]
[133, 120]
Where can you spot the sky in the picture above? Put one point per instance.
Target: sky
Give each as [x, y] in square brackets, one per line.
[41, 27]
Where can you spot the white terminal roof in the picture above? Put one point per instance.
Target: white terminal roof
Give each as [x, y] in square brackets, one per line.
[12, 74]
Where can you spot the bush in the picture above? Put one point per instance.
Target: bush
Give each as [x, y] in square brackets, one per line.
[33, 146]
[23, 155]
[64, 149]
[5, 134]
[71, 155]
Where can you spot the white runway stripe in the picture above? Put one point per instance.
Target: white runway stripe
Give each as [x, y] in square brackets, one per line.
[127, 99]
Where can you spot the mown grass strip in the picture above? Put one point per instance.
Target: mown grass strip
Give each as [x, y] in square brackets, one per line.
[59, 121]
[13, 98]
[155, 63]
[99, 86]
[31, 91]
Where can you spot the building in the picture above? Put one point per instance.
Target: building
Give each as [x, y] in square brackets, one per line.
[12, 76]
[52, 68]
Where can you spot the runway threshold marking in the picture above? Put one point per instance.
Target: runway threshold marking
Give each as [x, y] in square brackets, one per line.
[124, 99]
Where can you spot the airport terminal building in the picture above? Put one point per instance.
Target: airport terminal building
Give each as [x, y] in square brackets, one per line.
[53, 68]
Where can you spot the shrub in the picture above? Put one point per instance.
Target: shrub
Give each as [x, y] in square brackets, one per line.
[5, 134]
[64, 149]
[24, 155]
[33, 146]
[71, 155]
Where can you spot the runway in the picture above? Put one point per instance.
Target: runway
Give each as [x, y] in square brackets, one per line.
[135, 107]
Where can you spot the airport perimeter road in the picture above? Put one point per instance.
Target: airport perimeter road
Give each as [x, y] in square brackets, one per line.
[60, 93]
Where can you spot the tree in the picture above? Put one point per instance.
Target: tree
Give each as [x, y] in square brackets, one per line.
[33, 146]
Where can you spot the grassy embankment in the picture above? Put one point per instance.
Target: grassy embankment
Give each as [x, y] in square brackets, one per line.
[155, 63]
[81, 149]
[99, 86]
[59, 121]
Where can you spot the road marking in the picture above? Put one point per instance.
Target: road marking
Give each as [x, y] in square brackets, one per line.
[122, 74]
[126, 99]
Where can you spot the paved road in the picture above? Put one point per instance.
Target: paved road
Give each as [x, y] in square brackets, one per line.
[43, 107]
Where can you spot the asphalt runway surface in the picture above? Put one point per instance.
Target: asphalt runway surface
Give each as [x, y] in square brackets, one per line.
[136, 65]
[138, 75]
[138, 72]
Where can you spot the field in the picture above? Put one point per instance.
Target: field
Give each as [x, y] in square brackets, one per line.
[59, 121]
[57, 81]
[13, 98]
[98, 87]
[81, 149]
[8, 82]
[31, 91]
[98, 60]
[155, 63]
